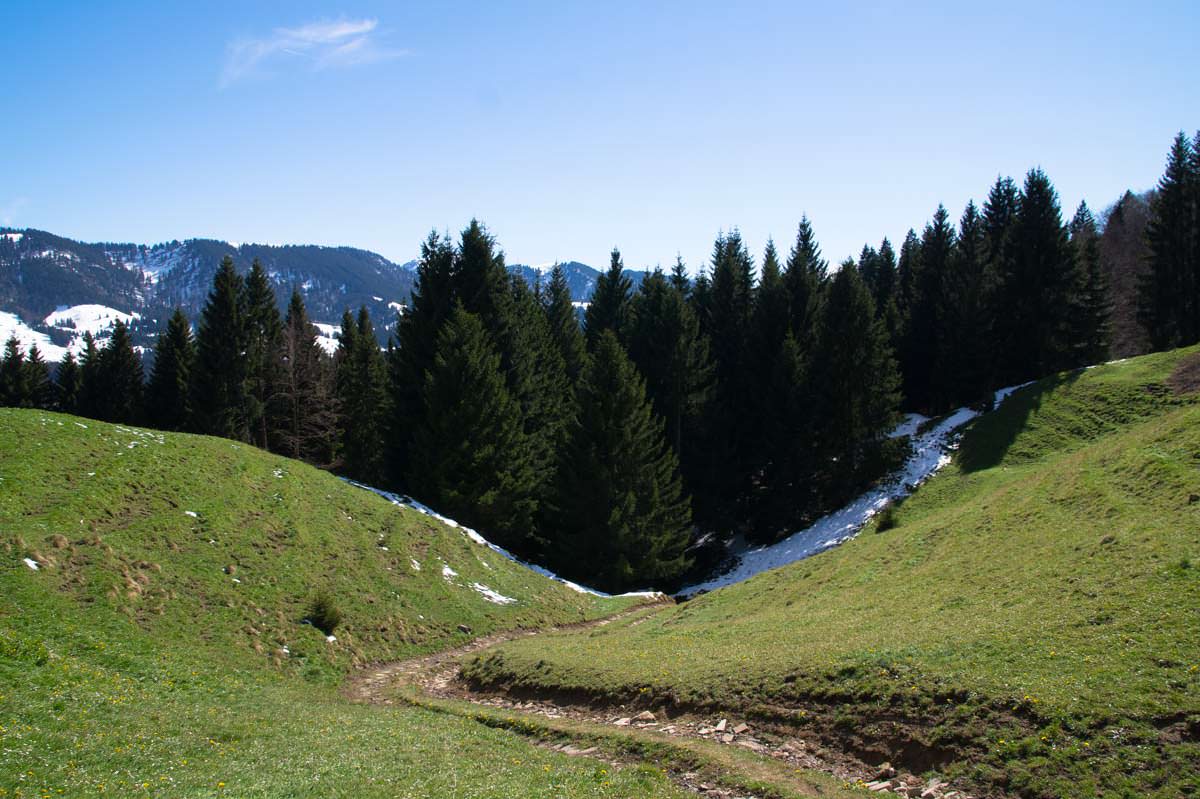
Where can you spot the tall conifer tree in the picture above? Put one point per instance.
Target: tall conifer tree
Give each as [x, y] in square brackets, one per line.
[609, 308]
[168, 396]
[468, 457]
[305, 392]
[37, 380]
[67, 381]
[120, 378]
[14, 388]
[219, 383]
[264, 332]
[1168, 307]
[1091, 325]
[564, 324]
[624, 519]
[362, 397]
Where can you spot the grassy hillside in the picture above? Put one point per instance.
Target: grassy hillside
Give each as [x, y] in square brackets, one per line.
[160, 648]
[1031, 625]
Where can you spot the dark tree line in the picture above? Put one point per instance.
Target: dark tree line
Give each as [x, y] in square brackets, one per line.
[747, 400]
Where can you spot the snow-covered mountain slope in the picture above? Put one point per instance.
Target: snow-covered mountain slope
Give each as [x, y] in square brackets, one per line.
[11, 326]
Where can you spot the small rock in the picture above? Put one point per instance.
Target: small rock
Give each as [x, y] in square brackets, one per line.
[623, 722]
[879, 786]
[741, 728]
[645, 715]
[727, 738]
[929, 793]
[462, 628]
[720, 726]
[231, 569]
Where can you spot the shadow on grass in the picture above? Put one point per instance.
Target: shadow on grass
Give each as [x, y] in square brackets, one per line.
[989, 439]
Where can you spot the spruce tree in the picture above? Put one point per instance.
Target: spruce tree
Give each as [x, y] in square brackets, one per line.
[609, 308]
[90, 390]
[168, 397]
[805, 278]
[264, 339]
[410, 360]
[921, 347]
[14, 388]
[219, 382]
[469, 457]
[362, 396]
[67, 382]
[1092, 309]
[770, 326]
[963, 369]
[723, 485]
[854, 367]
[666, 346]
[624, 519]
[37, 380]
[305, 392]
[121, 379]
[564, 324]
[1168, 306]
[679, 277]
[1036, 285]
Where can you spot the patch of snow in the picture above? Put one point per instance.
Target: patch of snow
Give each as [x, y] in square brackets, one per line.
[398, 307]
[12, 325]
[580, 304]
[409, 502]
[327, 336]
[278, 472]
[377, 299]
[331, 639]
[95, 319]
[416, 566]
[13, 237]
[931, 451]
[31, 563]
[492, 596]
[447, 572]
[192, 513]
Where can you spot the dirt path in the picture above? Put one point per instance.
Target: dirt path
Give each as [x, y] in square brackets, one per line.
[437, 676]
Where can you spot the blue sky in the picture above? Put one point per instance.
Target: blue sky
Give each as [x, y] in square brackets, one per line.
[569, 128]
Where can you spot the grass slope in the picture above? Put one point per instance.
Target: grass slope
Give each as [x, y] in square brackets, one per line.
[1032, 625]
[156, 652]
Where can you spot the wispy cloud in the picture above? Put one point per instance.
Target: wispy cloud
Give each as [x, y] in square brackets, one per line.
[318, 45]
[10, 210]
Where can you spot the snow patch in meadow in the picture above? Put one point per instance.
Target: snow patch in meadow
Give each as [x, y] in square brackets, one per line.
[416, 566]
[31, 563]
[447, 572]
[191, 513]
[492, 596]
[931, 450]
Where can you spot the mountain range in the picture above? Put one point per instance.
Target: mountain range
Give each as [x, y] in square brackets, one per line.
[54, 288]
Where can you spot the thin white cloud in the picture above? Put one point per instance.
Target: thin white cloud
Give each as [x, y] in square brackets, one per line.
[319, 45]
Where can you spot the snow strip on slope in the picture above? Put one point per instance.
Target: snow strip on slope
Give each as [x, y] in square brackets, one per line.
[931, 451]
[409, 502]
[492, 596]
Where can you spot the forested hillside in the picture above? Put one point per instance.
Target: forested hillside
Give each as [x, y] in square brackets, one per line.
[748, 400]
